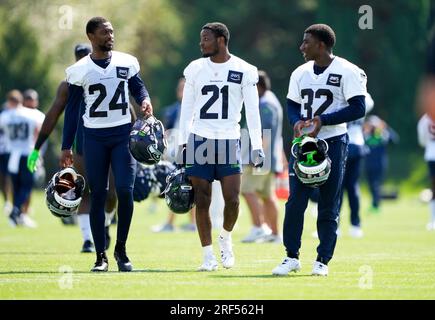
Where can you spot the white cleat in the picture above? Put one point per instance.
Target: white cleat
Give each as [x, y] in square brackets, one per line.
[430, 226]
[210, 264]
[227, 254]
[287, 266]
[28, 222]
[319, 269]
[256, 234]
[356, 232]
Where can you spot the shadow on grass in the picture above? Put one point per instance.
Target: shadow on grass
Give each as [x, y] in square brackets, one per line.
[260, 276]
[89, 272]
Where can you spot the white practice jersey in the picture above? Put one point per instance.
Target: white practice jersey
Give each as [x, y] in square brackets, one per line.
[20, 126]
[105, 90]
[355, 128]
[426, 137]
[327, 92]
[213, 97]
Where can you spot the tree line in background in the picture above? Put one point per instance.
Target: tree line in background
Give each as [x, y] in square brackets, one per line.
[164, 35]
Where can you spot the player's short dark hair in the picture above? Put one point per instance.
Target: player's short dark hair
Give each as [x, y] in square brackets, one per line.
[323, 33]
[218, 29]
[264, 80]
[94, 23]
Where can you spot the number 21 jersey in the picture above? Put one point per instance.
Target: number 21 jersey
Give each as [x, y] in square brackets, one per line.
[213, 98]
[105, 89]
[327, 92]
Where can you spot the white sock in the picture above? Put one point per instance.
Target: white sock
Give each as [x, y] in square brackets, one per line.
[85, 226]
[208, 251]
[109, 217]
[225, 234]
[432, 211]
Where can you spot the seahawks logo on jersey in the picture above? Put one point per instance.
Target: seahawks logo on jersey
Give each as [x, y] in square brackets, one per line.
[334, 79]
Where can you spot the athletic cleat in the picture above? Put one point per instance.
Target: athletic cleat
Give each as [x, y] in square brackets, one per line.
[210, 264]
[124, 264]
[288, 265]
[102, 263]
[28, 222]
[15, 217]
[163, 228]
[227, 255]
[188, 227]
[88, 246]
[107, 233]
[256, 234]
[319, 269]
[356, 232]
[430, 226]
[271, 238]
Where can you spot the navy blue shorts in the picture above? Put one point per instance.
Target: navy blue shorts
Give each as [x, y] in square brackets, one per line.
[4, 159]
[431, 165]
[212, 159]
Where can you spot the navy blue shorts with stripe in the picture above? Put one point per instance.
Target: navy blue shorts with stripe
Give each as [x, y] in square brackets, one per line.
[212, 159]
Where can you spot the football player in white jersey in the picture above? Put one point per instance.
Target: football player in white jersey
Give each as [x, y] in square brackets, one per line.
[52, 116]
[216, 87]
[21, 126]
[426, 138]
[104, 78]
[324, 94]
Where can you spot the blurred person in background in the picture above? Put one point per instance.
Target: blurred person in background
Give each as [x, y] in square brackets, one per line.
[426, 139]
[21, 126]
[171, 122]
[5, 181]
[258, 188]
[356, 153]
[377, 135]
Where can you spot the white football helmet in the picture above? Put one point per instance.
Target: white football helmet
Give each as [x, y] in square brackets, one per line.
[312, 165]
[64, 192]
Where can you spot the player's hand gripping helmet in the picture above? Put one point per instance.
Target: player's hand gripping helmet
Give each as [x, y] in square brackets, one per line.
[312, 165]
[179, 191]
[147, 140]
[64, 192]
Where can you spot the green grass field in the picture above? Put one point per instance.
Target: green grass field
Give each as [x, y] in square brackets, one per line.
[395, 260]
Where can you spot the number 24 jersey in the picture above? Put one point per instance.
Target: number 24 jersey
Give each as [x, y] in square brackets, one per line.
[105, 90]
[327, 92]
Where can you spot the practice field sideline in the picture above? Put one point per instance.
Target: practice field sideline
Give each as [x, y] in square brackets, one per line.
[395, 260]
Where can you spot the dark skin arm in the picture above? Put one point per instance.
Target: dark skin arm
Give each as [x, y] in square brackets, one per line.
[57, 108]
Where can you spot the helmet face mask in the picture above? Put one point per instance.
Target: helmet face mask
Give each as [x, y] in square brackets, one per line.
[179, 193]
[312, 165]
[64, 192]
[147, 140]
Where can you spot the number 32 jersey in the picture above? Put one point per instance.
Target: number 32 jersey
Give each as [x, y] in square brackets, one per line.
[105, 90]
[213, 97]
[327, 92]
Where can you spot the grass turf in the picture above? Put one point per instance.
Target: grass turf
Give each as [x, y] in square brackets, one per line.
[394, 260]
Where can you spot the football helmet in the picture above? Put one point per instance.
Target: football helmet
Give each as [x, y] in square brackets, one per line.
[312, 165]
[144, 182]
[179, 194]
[64, 192]
[147, 140]
[161, 172]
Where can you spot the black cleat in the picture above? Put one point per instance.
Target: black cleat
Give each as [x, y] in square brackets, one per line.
[15, 218]
[107, 237]
[124, 264]
[102, 264]
[88, 246]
